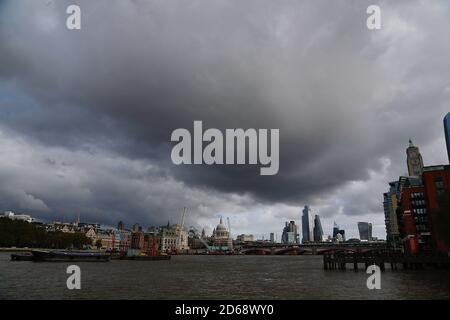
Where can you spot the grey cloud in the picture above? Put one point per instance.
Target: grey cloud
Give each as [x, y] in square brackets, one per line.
[343, 97]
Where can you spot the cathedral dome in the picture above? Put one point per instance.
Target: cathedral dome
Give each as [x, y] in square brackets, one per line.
[221, 232]
[221, 237]
[221, 226]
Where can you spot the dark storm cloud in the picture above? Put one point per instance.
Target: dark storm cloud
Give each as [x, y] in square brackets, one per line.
[342, 96]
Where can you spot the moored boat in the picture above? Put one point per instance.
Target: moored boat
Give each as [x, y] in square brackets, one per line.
[145, 258]
[150, 254]
[27, 256]
[69, 256]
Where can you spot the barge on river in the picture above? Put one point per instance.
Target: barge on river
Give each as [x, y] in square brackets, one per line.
[69, 256]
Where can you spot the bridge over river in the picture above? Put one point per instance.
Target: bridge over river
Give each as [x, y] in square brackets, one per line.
[313, 248]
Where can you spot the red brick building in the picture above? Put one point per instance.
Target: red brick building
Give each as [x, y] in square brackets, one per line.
[151, 243]
[413, 223]
[435, 180]
[418, 208]
[137, 240]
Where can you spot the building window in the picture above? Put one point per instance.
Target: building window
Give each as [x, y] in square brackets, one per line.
[439, 184]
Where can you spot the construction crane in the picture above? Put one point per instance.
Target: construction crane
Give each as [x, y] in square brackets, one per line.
[229, 233]
[182, 216]
[181, 226]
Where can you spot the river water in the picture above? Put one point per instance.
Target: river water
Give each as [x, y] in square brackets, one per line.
[215, 277]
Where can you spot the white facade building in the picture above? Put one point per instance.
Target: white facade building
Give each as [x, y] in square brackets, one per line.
[23, 217]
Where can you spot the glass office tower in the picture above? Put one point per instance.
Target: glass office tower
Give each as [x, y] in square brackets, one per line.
[307, 225]
[318, 231]
[365, 231]
[447, 133]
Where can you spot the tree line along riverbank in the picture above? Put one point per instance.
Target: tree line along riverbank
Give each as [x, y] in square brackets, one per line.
[16, 234]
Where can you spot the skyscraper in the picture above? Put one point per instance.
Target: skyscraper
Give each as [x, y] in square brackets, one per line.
[447, 133]
[307, 225]
[335, 229]
[365, 231]
[390, 201]
[136, 227]
[290, 234]
[340, 237]
[414, 160]
[318, 231]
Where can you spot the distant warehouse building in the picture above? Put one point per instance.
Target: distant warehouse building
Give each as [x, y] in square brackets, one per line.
[245, 238]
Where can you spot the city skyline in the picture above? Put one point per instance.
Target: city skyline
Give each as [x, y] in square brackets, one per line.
[80, 137]
[414, 164]
[318, 234]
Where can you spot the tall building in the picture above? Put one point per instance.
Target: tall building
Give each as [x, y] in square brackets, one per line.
[272, 237]
[413, 219]
[290, 233]
[307, 225]
[136, 227]
[335, 229]
[390, 201]
[365, 231]
[120, 225]
[447, 133]
[436, 181]
[414, 160]
[318, 231]
[338, 234]
[341, 235]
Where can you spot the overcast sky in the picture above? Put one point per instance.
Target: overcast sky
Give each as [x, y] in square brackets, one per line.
[86, 115]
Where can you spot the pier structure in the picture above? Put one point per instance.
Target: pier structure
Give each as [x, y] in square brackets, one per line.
[338, 260]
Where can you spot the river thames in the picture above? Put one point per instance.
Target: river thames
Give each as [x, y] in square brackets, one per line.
[215, 277]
